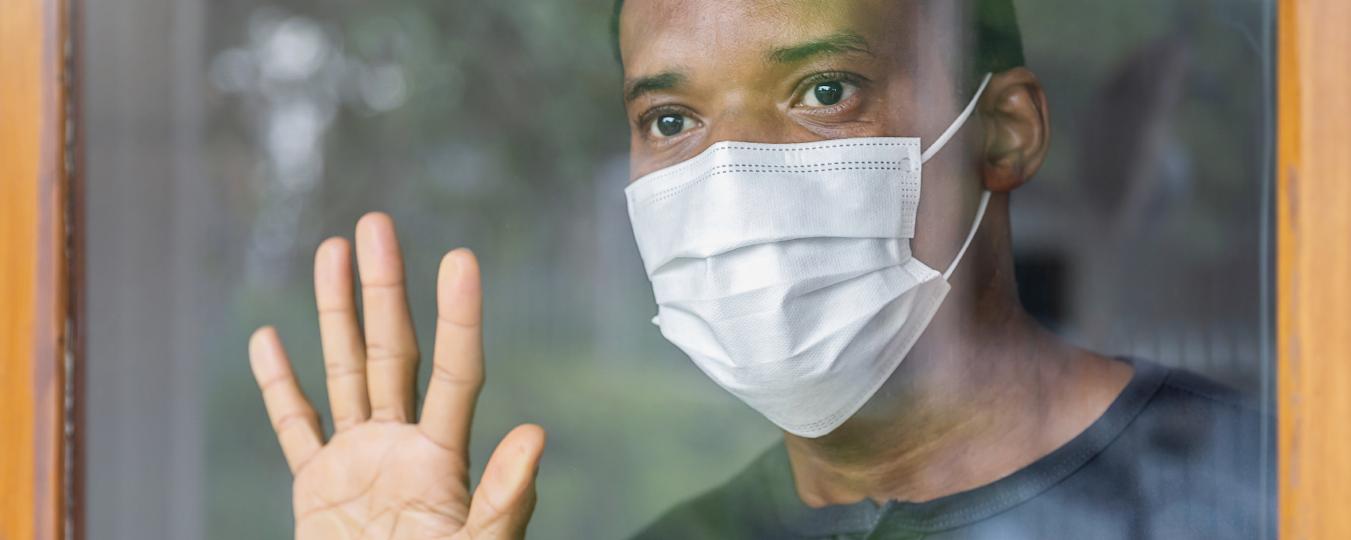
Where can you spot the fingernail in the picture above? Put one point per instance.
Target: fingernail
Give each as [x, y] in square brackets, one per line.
[456, 267]
[461, 271]
[514, 478]
[333, 251]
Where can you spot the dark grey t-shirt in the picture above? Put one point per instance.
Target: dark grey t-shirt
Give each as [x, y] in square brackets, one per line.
[1175, 456]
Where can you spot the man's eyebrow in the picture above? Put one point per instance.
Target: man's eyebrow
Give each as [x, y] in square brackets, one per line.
[840, 42]
[652, 83]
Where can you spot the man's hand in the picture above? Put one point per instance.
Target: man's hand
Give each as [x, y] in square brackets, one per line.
[382, 475]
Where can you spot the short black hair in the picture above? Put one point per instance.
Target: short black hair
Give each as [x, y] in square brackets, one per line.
[999, 42]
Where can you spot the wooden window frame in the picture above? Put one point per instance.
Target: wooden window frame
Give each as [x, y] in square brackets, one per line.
[37, 309]
[38, 484]
[1313, 289]
[40, 278]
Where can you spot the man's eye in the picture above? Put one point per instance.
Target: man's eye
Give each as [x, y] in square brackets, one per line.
[827, 93]
[670, 125]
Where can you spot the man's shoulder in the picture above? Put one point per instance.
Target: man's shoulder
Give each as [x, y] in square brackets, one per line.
[1198, 457]
[739, 508]
[1189, 420]
[1193, 388]
[1204, 407]
[1170, 418]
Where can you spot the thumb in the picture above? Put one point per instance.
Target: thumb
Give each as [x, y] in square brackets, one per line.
[505, 497]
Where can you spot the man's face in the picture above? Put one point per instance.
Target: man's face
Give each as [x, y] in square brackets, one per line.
[698, 72]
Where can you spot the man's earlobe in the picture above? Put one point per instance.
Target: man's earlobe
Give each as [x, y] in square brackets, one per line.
[1017, 129]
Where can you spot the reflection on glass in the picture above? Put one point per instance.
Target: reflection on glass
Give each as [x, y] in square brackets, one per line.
[227, 140]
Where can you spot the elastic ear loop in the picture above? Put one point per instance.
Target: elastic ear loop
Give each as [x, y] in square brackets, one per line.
[943, 141]
[980, 214]
[958, 123]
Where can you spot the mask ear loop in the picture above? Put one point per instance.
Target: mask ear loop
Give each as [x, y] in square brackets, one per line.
[943, 141]
[980, 215]
[958, 123]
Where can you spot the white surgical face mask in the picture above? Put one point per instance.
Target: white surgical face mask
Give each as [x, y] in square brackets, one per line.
[785, 272]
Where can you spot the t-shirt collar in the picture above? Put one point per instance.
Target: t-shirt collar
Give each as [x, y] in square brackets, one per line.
[966, 507]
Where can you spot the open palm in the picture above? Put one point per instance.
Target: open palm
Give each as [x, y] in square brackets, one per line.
[382, 474]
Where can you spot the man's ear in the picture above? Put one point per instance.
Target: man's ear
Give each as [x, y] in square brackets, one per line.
[1017, 129]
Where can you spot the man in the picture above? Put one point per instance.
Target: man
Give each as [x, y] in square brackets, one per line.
[777, 150]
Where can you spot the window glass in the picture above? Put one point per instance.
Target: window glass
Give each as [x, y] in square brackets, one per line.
[226, 140]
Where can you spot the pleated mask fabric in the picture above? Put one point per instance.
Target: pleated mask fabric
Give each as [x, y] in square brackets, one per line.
[784, 271]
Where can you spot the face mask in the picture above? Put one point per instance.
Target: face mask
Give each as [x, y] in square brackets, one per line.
[784, 270]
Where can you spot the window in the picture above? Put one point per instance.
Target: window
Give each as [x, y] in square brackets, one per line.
[224, 142]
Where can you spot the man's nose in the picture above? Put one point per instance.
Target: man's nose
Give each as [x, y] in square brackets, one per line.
[747, 119]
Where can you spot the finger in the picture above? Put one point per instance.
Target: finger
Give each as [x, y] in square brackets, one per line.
[457, 360]
[293, 418]
[504, 500]
[391, 347]
[344, 348]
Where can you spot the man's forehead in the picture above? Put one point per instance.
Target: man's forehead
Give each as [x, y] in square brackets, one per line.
[658, 34]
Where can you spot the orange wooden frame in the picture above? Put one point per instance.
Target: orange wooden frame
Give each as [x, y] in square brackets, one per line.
[1313, 291]
[34, 313]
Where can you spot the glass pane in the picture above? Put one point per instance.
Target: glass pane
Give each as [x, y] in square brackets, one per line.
[225, 141]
